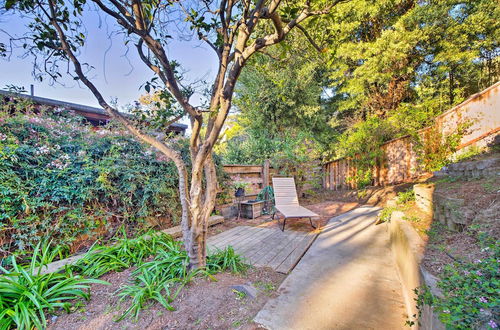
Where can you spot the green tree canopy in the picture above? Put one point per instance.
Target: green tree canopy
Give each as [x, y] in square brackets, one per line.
[390, 63]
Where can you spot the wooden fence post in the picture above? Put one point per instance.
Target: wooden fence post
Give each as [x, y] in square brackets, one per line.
[265, 173]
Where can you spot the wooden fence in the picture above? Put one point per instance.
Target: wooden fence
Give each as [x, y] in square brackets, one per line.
[260, 176]
[256, 176]
[400, 157]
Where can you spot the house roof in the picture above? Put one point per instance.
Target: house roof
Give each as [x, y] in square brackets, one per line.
[93, 112]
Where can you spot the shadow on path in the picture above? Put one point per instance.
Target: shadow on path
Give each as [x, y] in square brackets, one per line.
[346, 280]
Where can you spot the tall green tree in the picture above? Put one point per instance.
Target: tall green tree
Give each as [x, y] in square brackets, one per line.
[281, 100]
[375, 70]
[430, 54]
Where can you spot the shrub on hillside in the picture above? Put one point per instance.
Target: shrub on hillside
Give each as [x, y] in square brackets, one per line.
[469, 291]
[62, 179]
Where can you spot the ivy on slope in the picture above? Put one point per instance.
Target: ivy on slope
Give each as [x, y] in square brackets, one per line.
[61, 179]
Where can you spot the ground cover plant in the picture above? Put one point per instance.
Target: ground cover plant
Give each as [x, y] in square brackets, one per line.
[61, 179]
[162, 279]
[161, 266]
[26, 294]
[469, 291]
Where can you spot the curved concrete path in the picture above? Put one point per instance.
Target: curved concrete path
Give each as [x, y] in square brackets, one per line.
[346, 280]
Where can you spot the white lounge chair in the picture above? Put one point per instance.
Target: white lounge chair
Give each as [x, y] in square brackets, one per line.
[287, 201]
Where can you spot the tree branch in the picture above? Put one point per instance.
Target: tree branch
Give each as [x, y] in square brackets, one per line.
[309, 38]
[124, 19]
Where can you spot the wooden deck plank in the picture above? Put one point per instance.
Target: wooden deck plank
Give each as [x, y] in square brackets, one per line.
[237, 238]
[286, 251]
[284, 244]
[264, 246]
[227, 233]
[224, 233]
[223, 238]
[232, 239]
[249, 241]
[257, 242]
[239, 243]
[292, 260]
[261, 246]
[270, 246]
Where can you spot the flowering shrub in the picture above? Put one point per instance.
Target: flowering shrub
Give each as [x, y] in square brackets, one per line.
[470, 298]
[62, 179]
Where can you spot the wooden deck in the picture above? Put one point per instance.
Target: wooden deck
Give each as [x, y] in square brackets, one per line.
[265, 247]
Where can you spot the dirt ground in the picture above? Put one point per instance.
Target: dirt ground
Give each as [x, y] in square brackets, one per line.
[203, 304]
[482, 201]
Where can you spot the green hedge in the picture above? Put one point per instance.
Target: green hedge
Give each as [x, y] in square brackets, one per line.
[61, 179]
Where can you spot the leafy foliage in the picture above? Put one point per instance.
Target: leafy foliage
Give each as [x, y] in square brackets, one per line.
[59, 178]
[386, 213]
[397, 64]
[361, 143]
[405, 196]
[282, 117]
[227, 259]
[385, 70]
[469, 297]
[388, 56]
[436, 149]
[153, 280]
[26, 294]
[123, 253]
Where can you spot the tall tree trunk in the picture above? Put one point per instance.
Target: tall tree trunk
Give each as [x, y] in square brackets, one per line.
[202, 204]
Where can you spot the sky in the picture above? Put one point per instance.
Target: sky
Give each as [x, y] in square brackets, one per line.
[116, 75]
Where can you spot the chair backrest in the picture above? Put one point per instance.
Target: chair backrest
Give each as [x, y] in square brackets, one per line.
[285, 192]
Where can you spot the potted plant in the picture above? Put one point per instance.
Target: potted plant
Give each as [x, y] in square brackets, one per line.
[239, 188]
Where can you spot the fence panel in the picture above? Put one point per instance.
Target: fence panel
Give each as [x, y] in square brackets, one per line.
[400, 160]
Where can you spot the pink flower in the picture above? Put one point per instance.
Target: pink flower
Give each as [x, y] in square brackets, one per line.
[483, 300]
[492, 324]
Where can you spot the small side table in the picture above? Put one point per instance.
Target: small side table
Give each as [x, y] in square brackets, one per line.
[251, 209]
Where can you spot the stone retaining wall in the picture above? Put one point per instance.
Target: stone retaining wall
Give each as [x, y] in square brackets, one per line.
[451, 211]
[474, 169]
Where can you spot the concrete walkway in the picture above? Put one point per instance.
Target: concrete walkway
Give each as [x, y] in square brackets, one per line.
[346, 280]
